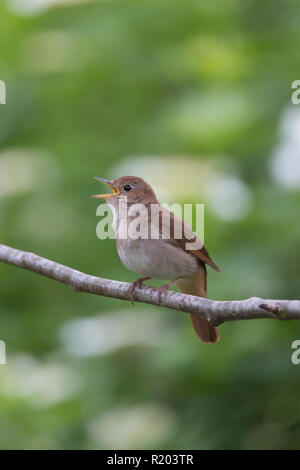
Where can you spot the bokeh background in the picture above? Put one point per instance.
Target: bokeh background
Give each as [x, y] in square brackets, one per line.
[196, 98]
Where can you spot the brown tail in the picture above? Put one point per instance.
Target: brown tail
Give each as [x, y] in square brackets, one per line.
[196, 285]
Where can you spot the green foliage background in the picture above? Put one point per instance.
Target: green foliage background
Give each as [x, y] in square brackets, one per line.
[91, 88]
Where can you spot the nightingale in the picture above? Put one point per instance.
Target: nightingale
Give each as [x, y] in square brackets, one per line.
[165, 249]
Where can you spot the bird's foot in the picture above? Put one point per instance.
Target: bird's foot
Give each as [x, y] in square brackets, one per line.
[134, 285]
[160, 290]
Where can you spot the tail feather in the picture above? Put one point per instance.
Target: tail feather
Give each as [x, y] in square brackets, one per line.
[196, 285]
[204, 331]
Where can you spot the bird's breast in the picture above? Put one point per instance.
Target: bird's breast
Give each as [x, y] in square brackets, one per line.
[156, 258]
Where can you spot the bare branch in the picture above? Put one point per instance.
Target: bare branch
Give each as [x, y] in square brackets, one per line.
[214, 311]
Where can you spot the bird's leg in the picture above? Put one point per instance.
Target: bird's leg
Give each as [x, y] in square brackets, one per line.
[160, 290]
[135, 284]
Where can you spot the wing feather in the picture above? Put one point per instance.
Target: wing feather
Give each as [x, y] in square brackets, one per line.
[182, 235]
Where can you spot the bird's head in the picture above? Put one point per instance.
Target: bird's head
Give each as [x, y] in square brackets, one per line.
[136, 190]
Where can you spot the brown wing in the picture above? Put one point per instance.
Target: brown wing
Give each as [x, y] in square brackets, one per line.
[186, 239]
[203, 255]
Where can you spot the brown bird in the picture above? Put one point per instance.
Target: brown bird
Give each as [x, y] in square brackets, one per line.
[154, 243]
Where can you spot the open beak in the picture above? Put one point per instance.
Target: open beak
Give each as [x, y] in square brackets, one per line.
[110, 185]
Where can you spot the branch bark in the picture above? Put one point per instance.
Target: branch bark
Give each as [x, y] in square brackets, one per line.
[216, 312]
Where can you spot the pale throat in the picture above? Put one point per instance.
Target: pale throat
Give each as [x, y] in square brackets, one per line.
[121, 219]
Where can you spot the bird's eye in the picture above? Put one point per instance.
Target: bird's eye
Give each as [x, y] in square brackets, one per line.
[127, 187]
